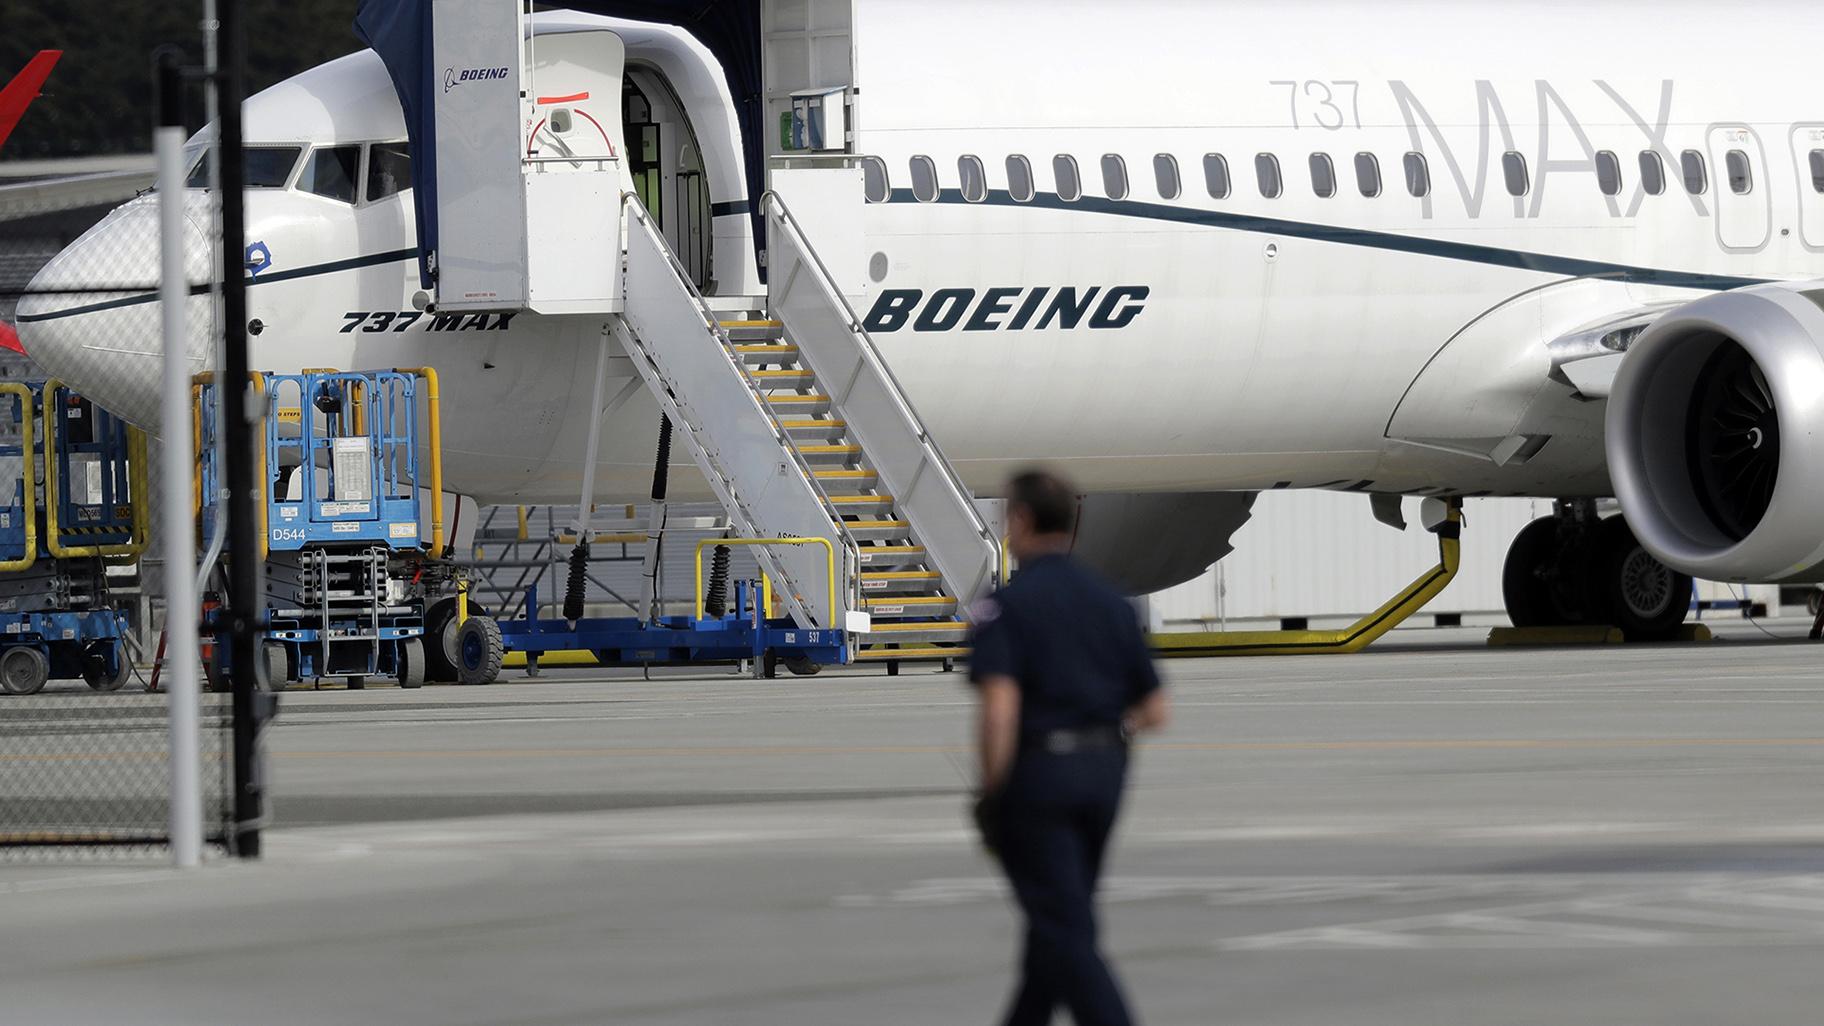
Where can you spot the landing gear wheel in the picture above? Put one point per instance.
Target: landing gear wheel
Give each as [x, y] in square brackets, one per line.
[23, 670]
[95, 666]
[479, 651]
[411, 663]
[1530, 586]
[1647, 599]
[272, 662]
[440, 628]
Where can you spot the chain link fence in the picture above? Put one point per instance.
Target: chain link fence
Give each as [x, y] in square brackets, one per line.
[84, 744]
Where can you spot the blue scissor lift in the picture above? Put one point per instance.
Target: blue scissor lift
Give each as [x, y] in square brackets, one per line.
[347, 572]
[78, 502]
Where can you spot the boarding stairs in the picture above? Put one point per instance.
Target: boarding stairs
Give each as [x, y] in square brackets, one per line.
[803, 433]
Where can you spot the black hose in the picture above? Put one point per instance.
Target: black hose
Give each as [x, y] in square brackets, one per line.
[715, 597]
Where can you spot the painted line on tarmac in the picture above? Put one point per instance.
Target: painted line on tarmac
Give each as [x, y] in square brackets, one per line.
[744, 751]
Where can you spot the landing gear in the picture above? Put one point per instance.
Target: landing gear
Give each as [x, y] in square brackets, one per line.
[1575, 569]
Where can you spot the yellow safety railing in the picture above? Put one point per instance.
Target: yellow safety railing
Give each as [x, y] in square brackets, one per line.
[138, 494]
[1353, 638]
[433, 406]
[829, 564]
[27, 475]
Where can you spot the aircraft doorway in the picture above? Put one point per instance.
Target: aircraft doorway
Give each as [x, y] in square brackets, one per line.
[667, 171]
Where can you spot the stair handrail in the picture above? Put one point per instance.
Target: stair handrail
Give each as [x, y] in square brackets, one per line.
[851, 549]
[770, 202]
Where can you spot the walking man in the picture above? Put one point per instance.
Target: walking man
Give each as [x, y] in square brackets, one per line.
[1065, 682]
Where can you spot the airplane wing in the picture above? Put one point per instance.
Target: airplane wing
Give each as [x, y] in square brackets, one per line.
[23, 89]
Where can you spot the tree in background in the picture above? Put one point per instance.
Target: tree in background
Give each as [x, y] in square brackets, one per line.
[98, 100]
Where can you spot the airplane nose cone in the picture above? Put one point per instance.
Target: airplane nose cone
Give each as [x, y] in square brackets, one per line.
[91, 317]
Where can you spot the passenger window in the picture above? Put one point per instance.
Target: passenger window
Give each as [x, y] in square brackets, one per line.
[924, 179]
[1741, 176]
[1368, 174]
[874, 184]
[1064, 169]
[1019, 178]
[1266, 173]
[1513, 168]
[1323, 175]
[1652, 173]
[1608, 173]
[1418, 175]
[1216, 175]
[1165, 175]
[1817, 170]
[1114, 176]
[389, 169]
[1697, 180]
[974, 177]
[332, 171]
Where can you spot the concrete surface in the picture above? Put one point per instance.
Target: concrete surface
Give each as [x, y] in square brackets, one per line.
[1428, 833]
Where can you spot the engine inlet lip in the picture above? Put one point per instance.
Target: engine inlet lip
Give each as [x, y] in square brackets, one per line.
[1648, 446]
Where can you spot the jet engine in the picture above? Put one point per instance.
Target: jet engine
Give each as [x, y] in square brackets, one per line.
[1715, 435]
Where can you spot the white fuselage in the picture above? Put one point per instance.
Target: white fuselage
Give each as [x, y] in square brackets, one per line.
[1261, 340]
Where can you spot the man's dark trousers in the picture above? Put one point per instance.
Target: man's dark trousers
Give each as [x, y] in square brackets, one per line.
[1057, 812]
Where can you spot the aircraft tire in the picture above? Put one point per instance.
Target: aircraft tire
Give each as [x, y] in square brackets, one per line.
[1645, 598]
[1525, 589]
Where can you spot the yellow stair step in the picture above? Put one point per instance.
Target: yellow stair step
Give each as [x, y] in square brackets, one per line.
[830, 450]
[764, 348]
[909, 628]
[898, 575]
[751, 324]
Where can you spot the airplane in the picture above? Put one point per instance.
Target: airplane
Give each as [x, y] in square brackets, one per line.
[1185, 252]
[23, 89]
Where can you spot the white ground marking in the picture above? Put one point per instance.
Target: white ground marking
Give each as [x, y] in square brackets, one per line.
[1533, 910]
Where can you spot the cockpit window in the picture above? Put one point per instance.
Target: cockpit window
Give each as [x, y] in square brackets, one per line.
[332, 172]
[389, 169]
[266, 167]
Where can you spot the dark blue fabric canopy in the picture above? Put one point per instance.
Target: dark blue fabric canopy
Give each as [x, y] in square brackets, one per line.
[400, 32]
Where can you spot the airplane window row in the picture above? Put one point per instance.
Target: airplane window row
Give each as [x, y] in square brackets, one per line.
[330, 171]
[1270, 180]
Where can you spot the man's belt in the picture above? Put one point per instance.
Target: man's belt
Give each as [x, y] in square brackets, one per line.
[1068, 741]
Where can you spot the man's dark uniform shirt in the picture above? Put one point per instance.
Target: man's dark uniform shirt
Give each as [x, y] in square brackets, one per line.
[1075, 649]
[1073, 644]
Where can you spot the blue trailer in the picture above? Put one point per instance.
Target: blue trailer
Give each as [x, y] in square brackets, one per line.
[58, 534]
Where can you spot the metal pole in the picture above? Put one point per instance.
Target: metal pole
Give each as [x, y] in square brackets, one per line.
[239, 632]
[176, 540]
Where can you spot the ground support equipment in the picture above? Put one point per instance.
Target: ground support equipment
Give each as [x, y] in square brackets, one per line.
[350, 468]
[741, 633]
[59, 533]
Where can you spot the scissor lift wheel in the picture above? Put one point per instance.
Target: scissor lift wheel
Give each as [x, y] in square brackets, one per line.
[95, 666]
[23, 670]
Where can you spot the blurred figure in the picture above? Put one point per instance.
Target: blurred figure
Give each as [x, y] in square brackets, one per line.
[1065, 682]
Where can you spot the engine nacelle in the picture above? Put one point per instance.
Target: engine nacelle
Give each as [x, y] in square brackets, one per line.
[1715, 435]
